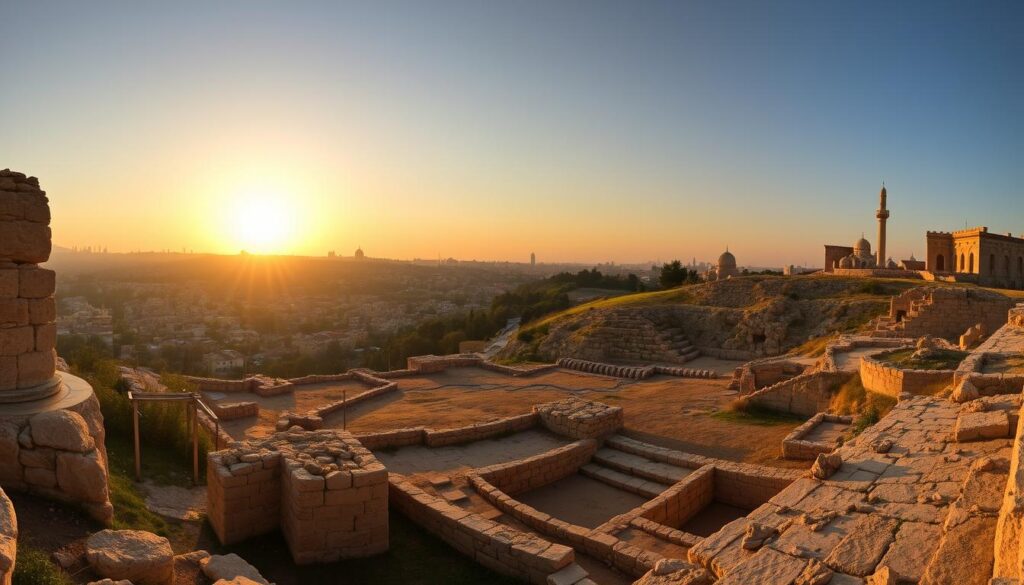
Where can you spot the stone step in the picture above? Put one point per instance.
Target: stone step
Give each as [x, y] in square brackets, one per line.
[692, 353]
[629, 483]
[640, 466]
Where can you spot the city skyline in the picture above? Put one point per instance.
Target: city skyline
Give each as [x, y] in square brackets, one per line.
[584, 132]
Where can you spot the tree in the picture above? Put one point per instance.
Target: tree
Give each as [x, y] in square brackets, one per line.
[673, 274]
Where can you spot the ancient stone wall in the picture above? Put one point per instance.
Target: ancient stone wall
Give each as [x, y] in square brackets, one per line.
[58, 454]
[28, 334]
[495, 546]
[235, 410]
[531, 473]
[1009, 556]
[580, 419]
[757, 374]
[947, 312]
[479, 431]
[325, 490]
[883, 378]
[683, 500]
[632, 372]
[8, 539]
[806, 394]
[795, 446]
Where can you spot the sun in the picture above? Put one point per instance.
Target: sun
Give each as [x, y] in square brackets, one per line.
[263, 222]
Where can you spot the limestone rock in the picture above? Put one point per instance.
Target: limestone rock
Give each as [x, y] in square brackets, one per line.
[965, 554]
[976, 426]
[859, 552]
[883, 576]
[675, 572]
[61, 429]
[826, 464]
[757, 535]
[815, 573]
[224, 567]
[965, 392]
[82, 476]
[136, 555]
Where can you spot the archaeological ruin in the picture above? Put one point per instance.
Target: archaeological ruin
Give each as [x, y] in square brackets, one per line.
[665, 444]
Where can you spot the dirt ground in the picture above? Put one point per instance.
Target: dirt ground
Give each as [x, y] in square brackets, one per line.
[303, 399]
[674, 412]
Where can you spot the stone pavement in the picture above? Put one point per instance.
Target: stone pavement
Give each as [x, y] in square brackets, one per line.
[906, 498]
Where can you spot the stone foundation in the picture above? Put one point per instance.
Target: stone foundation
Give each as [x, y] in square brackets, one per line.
[326, 492]
[8, 539]
[580, 419]
[882, 378]
[806, 394]
[795, 446]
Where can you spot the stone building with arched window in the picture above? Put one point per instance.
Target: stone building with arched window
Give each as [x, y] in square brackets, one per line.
[978, 255]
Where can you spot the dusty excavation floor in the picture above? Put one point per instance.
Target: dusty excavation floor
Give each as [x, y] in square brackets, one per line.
[453, 459]
[673, 412]
[580, 500]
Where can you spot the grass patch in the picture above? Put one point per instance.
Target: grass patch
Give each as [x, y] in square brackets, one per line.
[813, 347]
[867, 408]
[940, 359]
[34, 567]
[130, 510]
[749, 415]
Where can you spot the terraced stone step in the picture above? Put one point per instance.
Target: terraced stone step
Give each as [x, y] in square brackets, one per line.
[629, 483]
[640, 466]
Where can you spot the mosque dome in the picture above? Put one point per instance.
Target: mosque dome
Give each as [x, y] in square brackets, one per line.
[862, 247]
[727, 260]
[846, 262]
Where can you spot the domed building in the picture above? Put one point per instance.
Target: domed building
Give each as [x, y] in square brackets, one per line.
[359, 253]
[726, 267]
[861, 257]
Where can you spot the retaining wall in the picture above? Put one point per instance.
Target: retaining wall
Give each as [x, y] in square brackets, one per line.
[795, 447]
[495, 546]
[8, 539]
[806, 394]
[533, 472]
[632, 372]
[235, 410]
[594, 543]
[883, 378]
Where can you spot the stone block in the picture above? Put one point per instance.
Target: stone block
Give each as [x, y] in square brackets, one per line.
[979, 426]
[35, 282]
[141, 557]
[36, 367]
[39, 477]
[82, 476]
[8, 372]
[42, 311]
[46, 336]
[15, 341]
[13, 312]
[8, 283]
[25, 241]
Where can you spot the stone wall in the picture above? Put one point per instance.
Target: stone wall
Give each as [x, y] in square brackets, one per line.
[498, 547]
[325, 490]
[531, 473]
[261, 385]
[632, 372]
[947, 312]
[235, 410]
[806, 394]
[594, 543]
[683, 500]
[883, 378]
[1009, 556]
[28, 334]
[757, 374]
[795, 446]
[8, 539]
[580, 419]
[479, 431]
[58, 454]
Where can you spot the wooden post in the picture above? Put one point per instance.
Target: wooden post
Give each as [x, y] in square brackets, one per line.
[194, 409]
[135, 426]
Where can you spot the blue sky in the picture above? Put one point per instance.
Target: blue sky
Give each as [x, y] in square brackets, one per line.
[583, 131]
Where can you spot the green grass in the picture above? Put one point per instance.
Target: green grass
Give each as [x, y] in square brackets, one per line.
[34, 567]
[130, 510]
[813, 347]
[867, 408]
[746, 415]
[415, 557]
[942, 359]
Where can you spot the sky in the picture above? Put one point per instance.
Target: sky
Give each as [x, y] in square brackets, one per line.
[583, 131]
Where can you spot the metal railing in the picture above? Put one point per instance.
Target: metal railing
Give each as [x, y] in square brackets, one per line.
[195, 404]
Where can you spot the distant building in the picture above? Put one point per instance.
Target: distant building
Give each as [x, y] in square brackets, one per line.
[224, 362]
[331, 254]
[976, 255]
[533, 259]
[359, 253]
[726, 267]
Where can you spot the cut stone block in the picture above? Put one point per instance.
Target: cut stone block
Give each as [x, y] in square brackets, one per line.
[980, 426]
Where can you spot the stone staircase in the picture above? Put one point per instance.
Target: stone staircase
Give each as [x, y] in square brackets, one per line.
[626, 335]
[631, 472]
[887, 326]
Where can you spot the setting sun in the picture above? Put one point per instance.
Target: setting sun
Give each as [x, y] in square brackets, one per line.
[263, 223]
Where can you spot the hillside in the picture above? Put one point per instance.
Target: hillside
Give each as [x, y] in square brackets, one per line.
[740, 318]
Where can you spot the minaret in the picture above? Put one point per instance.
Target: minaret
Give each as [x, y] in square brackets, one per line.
[882, 215]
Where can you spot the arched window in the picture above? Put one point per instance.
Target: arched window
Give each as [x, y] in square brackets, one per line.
[970, 263]
[940, 263]
[963, 265]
